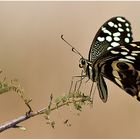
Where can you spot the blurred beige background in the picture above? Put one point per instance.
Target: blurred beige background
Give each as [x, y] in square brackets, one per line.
[32, 51]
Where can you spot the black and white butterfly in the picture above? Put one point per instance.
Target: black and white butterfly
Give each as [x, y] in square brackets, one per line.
[114, 56]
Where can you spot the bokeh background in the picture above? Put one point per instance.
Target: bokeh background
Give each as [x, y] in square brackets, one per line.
[31, 50]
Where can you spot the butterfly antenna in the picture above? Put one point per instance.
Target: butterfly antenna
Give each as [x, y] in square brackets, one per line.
[73, 48]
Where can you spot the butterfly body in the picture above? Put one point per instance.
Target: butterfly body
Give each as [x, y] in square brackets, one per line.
[114, 56]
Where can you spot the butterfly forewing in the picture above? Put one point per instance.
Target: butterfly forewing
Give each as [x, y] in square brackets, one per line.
[115, 32]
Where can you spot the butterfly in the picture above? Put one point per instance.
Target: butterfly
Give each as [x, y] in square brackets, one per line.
[114, 55]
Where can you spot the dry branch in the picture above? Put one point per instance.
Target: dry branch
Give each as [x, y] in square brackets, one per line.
[77, 99]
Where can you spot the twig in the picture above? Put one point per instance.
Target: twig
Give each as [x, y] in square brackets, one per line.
[13, 123]
[72, 100]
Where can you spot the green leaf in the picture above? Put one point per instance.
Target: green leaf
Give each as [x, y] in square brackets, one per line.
[4, 88]
[78, 106]
[20, 127]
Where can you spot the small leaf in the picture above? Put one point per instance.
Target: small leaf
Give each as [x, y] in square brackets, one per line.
[47, 117]
[58, 100]
[47, 112]
[20, 127]
[64, 99]
[4, 88]
[53, 124]
[78, 106]
[67, 123]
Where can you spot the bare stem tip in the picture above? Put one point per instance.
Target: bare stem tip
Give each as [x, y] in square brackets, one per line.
[62, 37]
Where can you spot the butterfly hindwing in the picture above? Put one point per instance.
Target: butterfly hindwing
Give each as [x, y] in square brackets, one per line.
[102, 88]
[122, 67]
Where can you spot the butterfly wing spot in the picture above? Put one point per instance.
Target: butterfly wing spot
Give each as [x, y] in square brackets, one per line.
[120, 19]
[109, 48]
[106, 31]
[125, 60]
[115, 25]
[111, 24]
[116, 38]
[121, 30]
[127, 29]
[134, 54]
[124, 48]
[128, 35]
[101, 39]
[127, 40]
[130, 57]
[135, 51]
[116, 34]
[120, 25]
[115, 44]
[114, 52]
[109, 38]
[124, 53]
[133, 44]
[127, 25]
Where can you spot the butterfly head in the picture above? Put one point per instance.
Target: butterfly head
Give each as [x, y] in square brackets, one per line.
[83, 63]
[88, 68]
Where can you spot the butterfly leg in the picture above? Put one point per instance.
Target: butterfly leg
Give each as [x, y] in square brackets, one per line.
[76, 86]
[80, 81]
[76, 83]
[71, 84]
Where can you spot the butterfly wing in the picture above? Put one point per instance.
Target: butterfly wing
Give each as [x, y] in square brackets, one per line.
[102, 88]
[114, 32]
[121, 66]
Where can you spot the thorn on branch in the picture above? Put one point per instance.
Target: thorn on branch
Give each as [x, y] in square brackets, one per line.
[50, 103]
